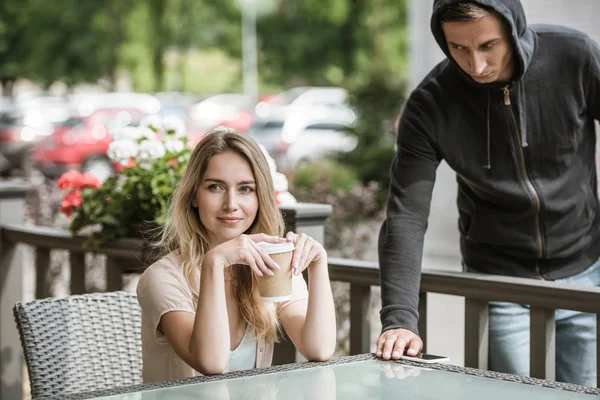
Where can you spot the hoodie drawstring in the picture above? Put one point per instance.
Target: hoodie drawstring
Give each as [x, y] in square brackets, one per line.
[488, 165]
[522, 114]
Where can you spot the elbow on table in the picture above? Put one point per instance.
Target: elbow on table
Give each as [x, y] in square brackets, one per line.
[319, 354]
[208, 365]
[210, 368]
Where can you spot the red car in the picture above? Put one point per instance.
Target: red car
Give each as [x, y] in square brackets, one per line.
[82, 143]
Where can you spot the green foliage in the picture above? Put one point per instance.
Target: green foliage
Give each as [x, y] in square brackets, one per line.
[377, 101]
[135, 196]
[14, 45]
[154, 156]
[354, 204]
[170, 44]
[328, 42]
[337, 177]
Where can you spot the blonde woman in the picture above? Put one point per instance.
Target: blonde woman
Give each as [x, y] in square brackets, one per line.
[201, 312]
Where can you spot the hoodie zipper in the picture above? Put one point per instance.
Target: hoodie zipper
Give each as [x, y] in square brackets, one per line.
[528, 183]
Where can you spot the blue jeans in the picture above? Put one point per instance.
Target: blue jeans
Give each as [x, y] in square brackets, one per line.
[575, 337]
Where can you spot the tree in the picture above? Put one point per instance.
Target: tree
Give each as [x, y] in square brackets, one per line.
[14, 47]
[327, 42]
[66, 40]
[377, 102]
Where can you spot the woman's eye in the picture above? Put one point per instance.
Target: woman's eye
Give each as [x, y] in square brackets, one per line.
[246, 189]
[214, 186]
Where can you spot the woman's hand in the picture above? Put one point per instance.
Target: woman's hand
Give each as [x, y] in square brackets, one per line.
[245, 250]
[307, 251]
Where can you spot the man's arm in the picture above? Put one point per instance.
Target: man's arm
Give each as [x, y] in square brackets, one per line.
[592, 83]
[401, 236]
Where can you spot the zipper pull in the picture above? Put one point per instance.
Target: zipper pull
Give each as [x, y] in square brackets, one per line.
[506, 95]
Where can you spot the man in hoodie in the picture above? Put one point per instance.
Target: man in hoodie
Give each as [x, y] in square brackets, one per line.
[512, 112]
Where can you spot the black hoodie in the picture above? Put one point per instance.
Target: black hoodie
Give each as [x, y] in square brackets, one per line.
[524, 154]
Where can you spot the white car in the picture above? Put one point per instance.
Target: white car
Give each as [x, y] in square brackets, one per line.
[226, 108]
[314, 143]
[305, 123]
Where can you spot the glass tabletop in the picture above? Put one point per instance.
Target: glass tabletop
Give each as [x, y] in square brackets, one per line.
[364, 380]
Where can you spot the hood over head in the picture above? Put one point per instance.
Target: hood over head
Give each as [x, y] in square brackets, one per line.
[514, 15]
[523, 41]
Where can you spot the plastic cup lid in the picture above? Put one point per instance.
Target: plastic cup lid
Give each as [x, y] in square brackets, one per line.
[275, 248]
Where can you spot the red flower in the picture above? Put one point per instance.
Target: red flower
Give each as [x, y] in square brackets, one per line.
[70, 180]
[131, 163]
[173, 163]
[71, 201]
[90, 180]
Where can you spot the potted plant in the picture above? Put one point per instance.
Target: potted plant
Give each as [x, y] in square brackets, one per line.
[151, 158]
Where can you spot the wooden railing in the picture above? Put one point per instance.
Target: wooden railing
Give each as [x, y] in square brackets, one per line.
[543, 297]
[132, 255]
[129, 255]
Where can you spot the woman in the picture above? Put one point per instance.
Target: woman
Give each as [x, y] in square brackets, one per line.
[201, 312]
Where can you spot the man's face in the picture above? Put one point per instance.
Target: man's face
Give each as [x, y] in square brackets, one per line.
[481, 48]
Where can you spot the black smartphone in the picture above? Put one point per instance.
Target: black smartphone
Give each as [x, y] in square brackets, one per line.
[426, 358]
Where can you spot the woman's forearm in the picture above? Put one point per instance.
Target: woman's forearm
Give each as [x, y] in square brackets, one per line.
[319, 330]
[209, 344]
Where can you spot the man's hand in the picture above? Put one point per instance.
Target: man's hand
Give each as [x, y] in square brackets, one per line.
[391, 344]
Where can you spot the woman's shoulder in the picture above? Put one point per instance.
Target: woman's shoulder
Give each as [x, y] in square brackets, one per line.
[163, 287]
[166, 268]
[170, 262]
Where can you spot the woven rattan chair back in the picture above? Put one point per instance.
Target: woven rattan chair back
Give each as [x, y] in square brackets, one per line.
[81, 343]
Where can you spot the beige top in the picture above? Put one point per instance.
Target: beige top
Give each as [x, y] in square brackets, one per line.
[163, 288]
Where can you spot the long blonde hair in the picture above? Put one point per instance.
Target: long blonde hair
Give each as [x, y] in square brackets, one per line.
[185, 234]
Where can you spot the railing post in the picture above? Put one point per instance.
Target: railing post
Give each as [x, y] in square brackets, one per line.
[422, 324]
[42, 265]
[306, 218]
[542, 339]
[476, 333]
[12, 211]
[114, 274]
[360, 328]
[77, 261]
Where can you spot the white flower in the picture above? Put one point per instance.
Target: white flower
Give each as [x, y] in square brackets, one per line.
[270, 160]
[153, 122]
[286, 199]
[151, 150]
[146, 133]
[223, 128]
[174, 145]
[174, 126]
[123, 150]
[126, 132]
[280, 182]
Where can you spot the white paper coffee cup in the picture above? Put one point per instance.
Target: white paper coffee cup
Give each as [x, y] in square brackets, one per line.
[278, 287]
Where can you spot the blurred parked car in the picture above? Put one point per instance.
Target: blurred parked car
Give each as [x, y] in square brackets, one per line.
[304, 123]
[81, 142]
[228, 109]
[86, 103]
[25, 120]
[317, 141]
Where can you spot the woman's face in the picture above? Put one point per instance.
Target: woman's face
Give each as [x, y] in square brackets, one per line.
[226, 198]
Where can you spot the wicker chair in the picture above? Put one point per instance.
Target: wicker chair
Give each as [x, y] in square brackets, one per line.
[81, 343]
